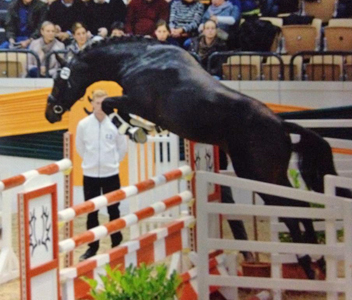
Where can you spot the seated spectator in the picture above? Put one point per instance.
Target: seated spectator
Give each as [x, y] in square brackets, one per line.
[142, 16]
[43, 46]
[224, 14]
[271, 8]
[23, 21]
[117, 29]
[162, 33]
[247, 7]
[80, 36]
[64, 13]
[102, 13]
[185, 17]
[206, 44]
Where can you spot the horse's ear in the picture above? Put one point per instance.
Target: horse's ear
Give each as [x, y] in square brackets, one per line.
[61, 60]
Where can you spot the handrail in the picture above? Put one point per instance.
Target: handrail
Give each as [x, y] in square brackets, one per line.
[48, 56]
[26, 51]
[311, 54]
[264, 56]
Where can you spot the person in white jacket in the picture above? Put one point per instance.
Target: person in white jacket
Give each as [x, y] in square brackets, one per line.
[102, 148]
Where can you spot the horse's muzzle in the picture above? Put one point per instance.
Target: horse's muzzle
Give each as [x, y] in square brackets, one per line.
[51, 115]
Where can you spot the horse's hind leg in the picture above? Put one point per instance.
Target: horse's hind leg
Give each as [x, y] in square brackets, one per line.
[270, 165]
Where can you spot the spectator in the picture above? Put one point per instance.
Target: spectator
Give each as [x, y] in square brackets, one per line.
[271, 8]
[43, 46]
[102, 13]
[247, 7]
[142, 16]
[224, 14]
[81, 38]
[206, 44]
[102, 148]
[117, 29]
[162, 33]
[64, 13]
[23, 21]
[185, 17]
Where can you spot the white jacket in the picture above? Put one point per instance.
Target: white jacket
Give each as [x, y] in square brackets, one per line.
[100, 146]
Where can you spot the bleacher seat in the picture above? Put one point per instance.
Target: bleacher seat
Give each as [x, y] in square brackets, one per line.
[322, 9]
[242, 68]
[338, 38]
[324, 68]
[340, 23]
[271, 69]
[13, 64]
[299, 38]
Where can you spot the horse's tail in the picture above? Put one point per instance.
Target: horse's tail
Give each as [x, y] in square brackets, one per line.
[315, 158]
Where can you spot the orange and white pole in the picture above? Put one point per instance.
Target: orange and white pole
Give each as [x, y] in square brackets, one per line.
[101, 231]
[121, 194]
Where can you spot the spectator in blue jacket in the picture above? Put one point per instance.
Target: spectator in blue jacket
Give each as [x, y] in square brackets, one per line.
[224, 13]
[23, 21]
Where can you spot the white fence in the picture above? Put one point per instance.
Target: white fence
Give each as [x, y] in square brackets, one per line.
[158, 155]
[335, 208]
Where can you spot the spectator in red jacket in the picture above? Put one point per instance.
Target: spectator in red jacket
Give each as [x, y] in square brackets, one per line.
[142, 16]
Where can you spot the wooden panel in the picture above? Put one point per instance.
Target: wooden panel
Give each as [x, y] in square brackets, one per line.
[23, 113]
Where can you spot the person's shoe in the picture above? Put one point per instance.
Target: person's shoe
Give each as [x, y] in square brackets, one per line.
[89, 253]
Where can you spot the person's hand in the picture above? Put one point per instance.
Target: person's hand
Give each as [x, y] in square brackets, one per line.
[12, 42]
[25, 44]
[89, 34]
[57, 29]
[214, 18]
[63, 36]
[103, 32]
[43, 71]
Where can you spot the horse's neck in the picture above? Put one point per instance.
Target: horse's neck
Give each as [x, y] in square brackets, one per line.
[105, 65]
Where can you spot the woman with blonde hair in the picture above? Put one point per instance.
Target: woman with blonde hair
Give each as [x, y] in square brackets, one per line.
[43, 46]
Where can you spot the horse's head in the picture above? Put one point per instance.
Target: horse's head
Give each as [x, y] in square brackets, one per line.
[70, 84]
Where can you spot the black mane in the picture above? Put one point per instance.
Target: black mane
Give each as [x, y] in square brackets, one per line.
[121, 40]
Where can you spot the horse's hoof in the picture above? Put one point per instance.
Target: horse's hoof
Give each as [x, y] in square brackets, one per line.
[137, 135]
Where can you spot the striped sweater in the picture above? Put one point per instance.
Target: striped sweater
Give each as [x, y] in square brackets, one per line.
[186, 15]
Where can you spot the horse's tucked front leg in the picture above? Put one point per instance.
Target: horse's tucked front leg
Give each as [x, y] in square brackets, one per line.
[122, 119]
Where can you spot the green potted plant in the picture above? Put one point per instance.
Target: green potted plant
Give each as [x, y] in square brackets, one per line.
[136, 283]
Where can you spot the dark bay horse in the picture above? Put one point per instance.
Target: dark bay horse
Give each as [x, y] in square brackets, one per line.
[166, 86]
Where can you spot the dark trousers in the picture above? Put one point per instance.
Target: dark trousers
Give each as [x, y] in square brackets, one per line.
[94, 187]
